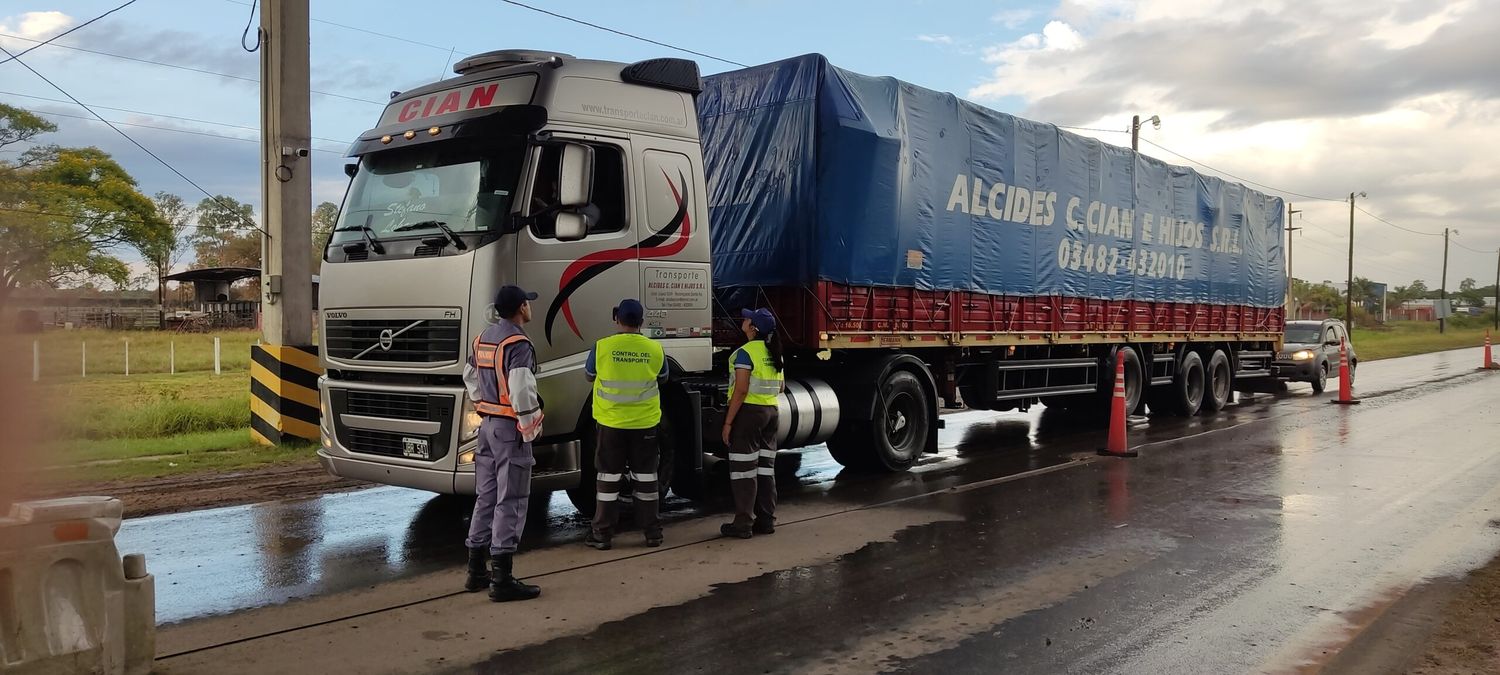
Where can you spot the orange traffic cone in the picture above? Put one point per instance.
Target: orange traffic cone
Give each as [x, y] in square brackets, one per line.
[1115, 447]
[1489, 363]
[1346, 386]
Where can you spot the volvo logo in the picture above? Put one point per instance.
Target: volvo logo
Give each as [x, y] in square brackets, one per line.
[387, 339]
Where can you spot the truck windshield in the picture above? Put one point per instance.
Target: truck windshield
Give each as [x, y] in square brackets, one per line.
[1302, 334]
[466, 189]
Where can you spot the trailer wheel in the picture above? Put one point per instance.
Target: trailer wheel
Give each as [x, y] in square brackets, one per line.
[1135, 388]
[1220, 380]
[1188, 387]
[894, 439]
[583, 496]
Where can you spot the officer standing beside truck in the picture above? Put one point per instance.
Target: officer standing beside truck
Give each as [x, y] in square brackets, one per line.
[625, 369]
[501, 379]
[755, 382]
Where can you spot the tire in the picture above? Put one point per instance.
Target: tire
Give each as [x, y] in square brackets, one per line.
[583, 496]
[1320, 380]
[1135, 388]
[893, 441]
[1189, 386]
[1220, 380]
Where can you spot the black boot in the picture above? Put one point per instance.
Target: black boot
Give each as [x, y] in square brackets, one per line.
[479, 563]
[504, 586]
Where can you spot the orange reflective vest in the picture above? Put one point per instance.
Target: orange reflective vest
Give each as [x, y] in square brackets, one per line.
[489, 360]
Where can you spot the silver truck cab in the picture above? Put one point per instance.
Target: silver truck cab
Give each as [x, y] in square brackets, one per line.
[580, 180]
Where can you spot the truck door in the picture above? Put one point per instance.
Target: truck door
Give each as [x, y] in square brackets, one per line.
[674, 256]
[578, 282]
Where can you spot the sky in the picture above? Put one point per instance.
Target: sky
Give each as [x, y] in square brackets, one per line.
[1309, 100]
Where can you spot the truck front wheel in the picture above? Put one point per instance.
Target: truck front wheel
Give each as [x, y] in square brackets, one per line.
[894, 439]
[583, 496]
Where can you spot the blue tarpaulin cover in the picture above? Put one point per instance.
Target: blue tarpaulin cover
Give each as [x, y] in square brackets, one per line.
[816, 172]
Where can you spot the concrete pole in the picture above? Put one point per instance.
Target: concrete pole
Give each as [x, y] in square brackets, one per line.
[1443, 290]
[127, 358]
[1497, 291]
[286, 173]
[172, 357]
[1135, 133]
[36, 360]
[1349, 288]
[216, 356]
[1290, 299]
[83, 359]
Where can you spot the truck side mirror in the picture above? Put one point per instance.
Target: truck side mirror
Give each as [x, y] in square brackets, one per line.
[571, 225]
[575, 176]
[350, 169]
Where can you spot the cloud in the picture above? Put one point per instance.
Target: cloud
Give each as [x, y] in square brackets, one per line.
[36, 25]
[1398, 99]
[1013, 18]
[938, 39]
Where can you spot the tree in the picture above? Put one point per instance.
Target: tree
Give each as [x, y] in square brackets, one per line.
[1401, 295]
[323, 220]
[65, 212]
[1468, 292]
[1307, 296]
[164, 253]
[226, 236]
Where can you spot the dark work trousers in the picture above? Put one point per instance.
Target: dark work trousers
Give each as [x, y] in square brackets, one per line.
[617, 450]
[752, 464]
[502, 481]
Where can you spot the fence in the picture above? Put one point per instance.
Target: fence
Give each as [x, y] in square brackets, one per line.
[88, 354]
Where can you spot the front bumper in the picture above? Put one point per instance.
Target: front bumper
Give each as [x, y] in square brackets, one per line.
[1296, 371]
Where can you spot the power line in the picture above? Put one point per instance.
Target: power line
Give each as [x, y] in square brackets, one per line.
[190, 69]
[1404, 229]
[1476, 250]
[623, 33]
[70, 30]
[156, 128]
[121, 132]
[1239, 178]
[356, 29]
[154, 114]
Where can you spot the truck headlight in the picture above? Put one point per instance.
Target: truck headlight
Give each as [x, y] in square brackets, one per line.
[468, 429]
[1302, 355]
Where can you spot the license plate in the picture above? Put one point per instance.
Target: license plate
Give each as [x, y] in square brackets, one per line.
[415, 448]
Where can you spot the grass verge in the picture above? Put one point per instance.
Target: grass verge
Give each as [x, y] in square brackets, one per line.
[1405, 338]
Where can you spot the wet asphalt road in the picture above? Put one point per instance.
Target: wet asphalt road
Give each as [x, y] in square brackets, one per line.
[1252, 542]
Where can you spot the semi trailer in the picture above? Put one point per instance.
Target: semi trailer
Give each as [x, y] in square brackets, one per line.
[919, 252]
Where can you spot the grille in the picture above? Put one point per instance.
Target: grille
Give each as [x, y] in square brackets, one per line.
[374, 442]
[356, 255]
[430, 341]
[377, 404]
[427, 252]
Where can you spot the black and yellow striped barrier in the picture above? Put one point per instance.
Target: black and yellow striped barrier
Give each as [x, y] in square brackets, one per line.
[284, 393]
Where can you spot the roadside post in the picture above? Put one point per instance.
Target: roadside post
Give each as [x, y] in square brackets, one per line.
[36, 360]
[83, 359]
[172, 357]
[127, 358]
[1346, 387]
[1115, 446]
[216, 356]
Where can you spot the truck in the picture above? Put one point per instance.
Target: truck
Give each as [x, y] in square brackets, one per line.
[919, 252]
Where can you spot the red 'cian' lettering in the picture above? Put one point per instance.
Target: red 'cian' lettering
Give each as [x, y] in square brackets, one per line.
[427, 109]
[450, 104]
[409, 111]
[482, 97]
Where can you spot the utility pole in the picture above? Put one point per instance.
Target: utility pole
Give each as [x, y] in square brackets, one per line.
[1497, 290]
[286, 173]
[1289, 276]
[1349, 282]
[1135, 130]
[286, 197]
[1443, 290]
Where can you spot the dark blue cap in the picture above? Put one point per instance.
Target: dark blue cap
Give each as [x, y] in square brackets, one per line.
[761, 319]
[509, 300]
[630, 313]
